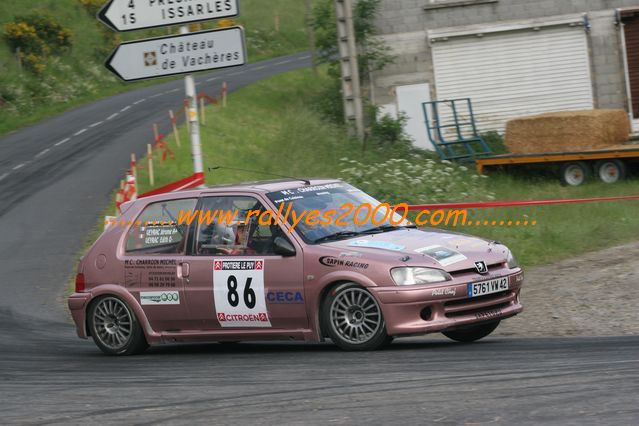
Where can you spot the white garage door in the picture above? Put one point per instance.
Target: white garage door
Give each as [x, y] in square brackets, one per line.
[514, 74]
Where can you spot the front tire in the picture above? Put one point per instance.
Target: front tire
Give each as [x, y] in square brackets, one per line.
[115, 328]
[473, 333]
[353, 319]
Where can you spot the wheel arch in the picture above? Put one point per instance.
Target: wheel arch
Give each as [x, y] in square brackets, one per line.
[328, 283]
[118, 291]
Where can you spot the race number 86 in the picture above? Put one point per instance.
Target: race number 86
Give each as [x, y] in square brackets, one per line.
[234, 297]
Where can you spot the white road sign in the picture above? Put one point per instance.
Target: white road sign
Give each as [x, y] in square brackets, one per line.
[130, 15]
[180, 54]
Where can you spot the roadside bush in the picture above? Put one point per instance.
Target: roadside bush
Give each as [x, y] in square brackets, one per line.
[37, 36]
[328, 102]
[23, 36]
[386, 130]
[35, 63]
[496, 142]
[420, 180]
[56, 37]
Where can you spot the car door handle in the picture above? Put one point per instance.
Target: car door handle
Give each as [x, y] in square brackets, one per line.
[184, 270]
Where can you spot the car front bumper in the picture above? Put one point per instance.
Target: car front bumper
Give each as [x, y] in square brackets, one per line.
[430, 309]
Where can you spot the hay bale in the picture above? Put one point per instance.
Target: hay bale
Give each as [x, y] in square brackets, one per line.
[568, 131]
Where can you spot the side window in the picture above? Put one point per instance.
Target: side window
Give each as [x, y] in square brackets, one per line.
[230, 227]
[156, 230]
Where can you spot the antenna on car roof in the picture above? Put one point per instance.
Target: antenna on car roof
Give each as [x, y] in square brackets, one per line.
[306, 181]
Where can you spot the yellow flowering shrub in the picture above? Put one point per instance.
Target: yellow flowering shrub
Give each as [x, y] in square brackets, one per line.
[37, 36]
[225, 23]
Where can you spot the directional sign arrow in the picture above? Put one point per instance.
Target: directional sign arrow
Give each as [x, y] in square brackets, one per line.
[179, 54]
[130, 15]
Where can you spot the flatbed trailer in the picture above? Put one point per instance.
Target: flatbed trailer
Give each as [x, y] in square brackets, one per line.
[452, 130]
[610, 165]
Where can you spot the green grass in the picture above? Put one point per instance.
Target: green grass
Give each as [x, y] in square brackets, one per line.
[272, 127]
[78, 77]
[561, 230]
[268, 127]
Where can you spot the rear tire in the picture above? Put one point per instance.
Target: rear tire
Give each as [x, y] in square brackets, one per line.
[575, 173]
[353, 319]
[115, 328]
[472, 334]
[610, 171]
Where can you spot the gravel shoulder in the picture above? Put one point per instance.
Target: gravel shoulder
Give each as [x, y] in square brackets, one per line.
[596, 294]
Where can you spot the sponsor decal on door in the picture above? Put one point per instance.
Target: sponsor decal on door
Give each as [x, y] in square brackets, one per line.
[159, 298]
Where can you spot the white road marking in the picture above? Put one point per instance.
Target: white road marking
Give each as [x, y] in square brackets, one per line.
[112, 116]
[78, 133]
[96, 124]
[139, 101]
[19, 166]
[173, 91]
[4, 176]
[259, 68]
[41, 153]
[63, 141]
[197, 84]
[305, 57]
[213, 79]
[236, 73]
[283, 62]
[125, 108]
[156, 95]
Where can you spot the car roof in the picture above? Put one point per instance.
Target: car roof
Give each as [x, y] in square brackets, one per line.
[254, 187]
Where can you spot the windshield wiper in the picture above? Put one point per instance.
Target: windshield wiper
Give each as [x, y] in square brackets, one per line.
[386, 228]
[337, 236]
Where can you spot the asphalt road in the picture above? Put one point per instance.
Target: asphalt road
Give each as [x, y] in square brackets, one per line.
[55, 179]
[49, 377]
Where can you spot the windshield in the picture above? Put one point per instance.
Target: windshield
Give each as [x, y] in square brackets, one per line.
[335, 211]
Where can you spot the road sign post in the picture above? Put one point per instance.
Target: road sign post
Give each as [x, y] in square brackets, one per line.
[185, 53]
[194, 125]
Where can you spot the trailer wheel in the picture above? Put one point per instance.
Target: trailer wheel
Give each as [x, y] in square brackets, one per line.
[610, 171]
[575, 173]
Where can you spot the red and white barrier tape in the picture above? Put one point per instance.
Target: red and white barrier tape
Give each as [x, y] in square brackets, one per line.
[493, 204]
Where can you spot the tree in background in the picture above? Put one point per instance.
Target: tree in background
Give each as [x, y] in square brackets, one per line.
[373, 55]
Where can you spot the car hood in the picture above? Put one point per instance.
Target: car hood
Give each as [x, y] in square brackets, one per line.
[432, 248]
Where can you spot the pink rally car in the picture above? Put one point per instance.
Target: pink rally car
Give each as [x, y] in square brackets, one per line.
[154, 278]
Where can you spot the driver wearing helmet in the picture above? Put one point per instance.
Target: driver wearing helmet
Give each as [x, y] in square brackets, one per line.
[241, 238]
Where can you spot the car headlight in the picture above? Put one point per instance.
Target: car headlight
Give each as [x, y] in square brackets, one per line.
[416, 276]
[511, 261]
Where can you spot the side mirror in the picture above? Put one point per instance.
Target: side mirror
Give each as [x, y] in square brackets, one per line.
[283, 247]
